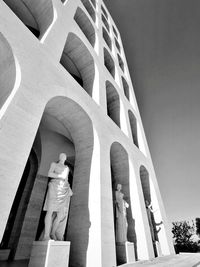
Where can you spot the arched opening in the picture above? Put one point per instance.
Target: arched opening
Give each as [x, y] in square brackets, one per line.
[121, 63]
[15, 243]
[85, 25]
[89, 9]
[113, 103]
[109, 62]
[107, 39]
[115, 31]
[117, 45]
[77, 60]
[126, 88]
[145, 182]
[105, 22]
[120, 175]
[133, 124]
[7, 70]
[104, 12]
[36, 15]
[64, 127]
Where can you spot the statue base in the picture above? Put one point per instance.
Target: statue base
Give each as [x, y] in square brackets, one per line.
[49, 254]
[158, 249]
[125, 252]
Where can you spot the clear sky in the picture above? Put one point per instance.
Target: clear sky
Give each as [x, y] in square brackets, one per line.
[161, 39]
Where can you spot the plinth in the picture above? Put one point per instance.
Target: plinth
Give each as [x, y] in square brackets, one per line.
[49, 254]
[125, 252]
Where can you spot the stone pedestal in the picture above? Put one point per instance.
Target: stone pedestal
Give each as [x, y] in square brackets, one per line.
[4, 254]
[130, 252]
[125, 252]
[49, 254]
[158, 248]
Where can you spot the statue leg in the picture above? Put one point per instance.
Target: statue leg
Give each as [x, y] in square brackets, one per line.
[48, 224]
[56, 222]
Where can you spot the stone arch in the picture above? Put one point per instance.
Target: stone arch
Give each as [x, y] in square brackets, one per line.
[107, 38]
[36, 15]
[119, 164]
[15, 235]
[80, 128]
[78, 61]
[85, 25]
[89, 9]
[113, 103]
[133, 125]
[105, 22]
[126, 88]
[115, 31]
[121, 63]
[104, 12]
[109, 62]
[117, 45]
[64, 127]
[7, 70]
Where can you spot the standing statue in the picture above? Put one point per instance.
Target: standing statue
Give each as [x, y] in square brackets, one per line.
[57, 198]
[121, 221]
[152, 223]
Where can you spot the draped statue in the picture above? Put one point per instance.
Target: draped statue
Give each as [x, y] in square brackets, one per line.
[121, 220]
[57, 198]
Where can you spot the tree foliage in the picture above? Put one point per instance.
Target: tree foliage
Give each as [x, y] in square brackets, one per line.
[197, 222]
[183, 232]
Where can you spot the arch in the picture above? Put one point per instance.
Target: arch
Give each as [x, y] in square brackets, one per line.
[107, 39]
[77, 60]
[126, 88]
[16, 228]
[72, 126]
[115, 31]
[117, 45]
[78, 123]
[36, 15]
[120, 172]
[85, 25]
[105, 22]
[109, 62]
[121, 63]
[113, 103]
[133, 124]
[104, 12]
[89, 9]
[7, 70]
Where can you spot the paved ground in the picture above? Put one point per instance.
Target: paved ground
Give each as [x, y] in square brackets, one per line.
[181, 260]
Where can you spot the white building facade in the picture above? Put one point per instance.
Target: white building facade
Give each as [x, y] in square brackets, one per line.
[65, 87]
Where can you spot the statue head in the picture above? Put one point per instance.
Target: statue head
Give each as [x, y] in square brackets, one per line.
[62, 157]
[119, 187]
[147, 203]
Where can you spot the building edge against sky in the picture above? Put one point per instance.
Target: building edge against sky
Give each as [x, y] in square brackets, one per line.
[65, 87]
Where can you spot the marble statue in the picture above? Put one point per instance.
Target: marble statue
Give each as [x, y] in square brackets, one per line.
[121, 220]
[152, 223]
[57, 198]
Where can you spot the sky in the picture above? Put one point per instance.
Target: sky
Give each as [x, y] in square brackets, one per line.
[161, 39]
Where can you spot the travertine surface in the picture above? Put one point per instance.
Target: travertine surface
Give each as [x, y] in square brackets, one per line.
[92, 120]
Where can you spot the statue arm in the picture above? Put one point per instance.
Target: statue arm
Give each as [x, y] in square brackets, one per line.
[51, 172]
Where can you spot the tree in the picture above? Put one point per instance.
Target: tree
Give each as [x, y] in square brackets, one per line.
[197, 221]
[183, 232]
